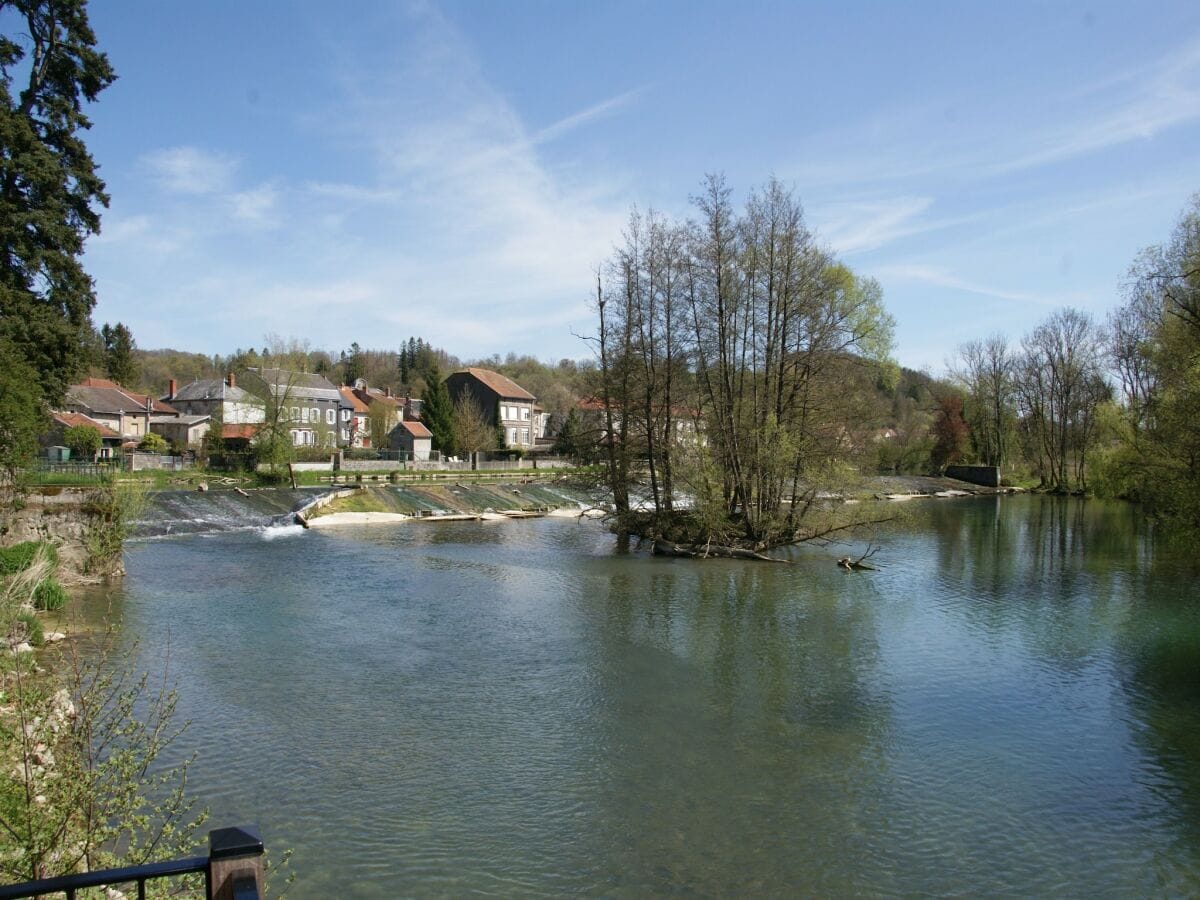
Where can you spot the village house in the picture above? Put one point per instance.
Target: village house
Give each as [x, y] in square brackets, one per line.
[221, 398]
[503, 402]
[311, 404]
[356, 420]
[413, 438]
[399, 408]
[110, 441]
[125, 412]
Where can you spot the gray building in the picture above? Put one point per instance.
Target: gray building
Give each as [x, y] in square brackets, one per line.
[311, 404]
[502, 401]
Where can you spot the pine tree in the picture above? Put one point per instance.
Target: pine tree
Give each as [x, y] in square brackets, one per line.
[119, 361]
[438, 412]
[49, 187]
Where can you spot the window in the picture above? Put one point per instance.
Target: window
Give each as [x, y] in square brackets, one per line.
[512, 436]
[524, 435]
[524, 413]
[295, 414]
[345, 415]
[315, 416]
[331, 416]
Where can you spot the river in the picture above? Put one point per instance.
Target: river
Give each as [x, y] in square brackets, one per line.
[1009, 706]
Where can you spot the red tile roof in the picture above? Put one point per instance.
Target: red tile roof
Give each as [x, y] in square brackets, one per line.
[501, 384]
[235, 432]
[74, 420]
[353, 399]
[416, 429]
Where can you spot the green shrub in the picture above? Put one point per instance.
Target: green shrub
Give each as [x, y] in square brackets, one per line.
[35, 633]
[19, 557]
[49, 595]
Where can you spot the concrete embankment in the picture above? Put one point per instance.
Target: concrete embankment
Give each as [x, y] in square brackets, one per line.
[443, 503]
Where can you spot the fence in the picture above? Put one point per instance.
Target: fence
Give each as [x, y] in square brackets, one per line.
[233, 870]
[140, 462]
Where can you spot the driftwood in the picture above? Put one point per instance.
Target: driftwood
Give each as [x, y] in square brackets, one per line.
[852, 565]
[667, 548]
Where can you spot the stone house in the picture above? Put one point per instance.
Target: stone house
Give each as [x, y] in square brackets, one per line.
[414, 438]
[110, 441]
[356, 420]
[311, 405]
[216, 397]
[126, 412]
[503, 402]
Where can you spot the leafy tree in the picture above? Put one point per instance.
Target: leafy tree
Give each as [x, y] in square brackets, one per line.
[1154, 340]
[437, 412]
[381, 419]
[154, 443]
[119, 361]
[21, 412]
[84, 441]
[49, 186]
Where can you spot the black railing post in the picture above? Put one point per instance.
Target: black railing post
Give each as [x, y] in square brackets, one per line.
[235, 864]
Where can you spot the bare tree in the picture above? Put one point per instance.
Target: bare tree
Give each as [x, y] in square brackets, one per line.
[1060, 383]
[985, 369]
[472, 431]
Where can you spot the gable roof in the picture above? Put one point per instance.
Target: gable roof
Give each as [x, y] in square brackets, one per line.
[353, 399]
[235, 432]
[416, 429]
[211, 389]
[134, 399]
[74, 420]
[300, 385]
[499, 384]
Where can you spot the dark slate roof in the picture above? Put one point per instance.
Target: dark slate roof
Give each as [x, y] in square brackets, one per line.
[501, 385]
[301, 385]
[132, 400]
[211, 389]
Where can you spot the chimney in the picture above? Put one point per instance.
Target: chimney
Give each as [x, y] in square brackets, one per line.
[389, 393]
[232, 380]
[171, 386]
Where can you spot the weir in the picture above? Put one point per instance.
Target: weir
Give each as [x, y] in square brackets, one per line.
[211, 512]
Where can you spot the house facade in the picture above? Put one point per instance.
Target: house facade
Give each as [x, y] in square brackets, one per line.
[125, 412]
[503, 402]
[310, 404]
[355, 420]
[110, 441]
[414, 438]
[216, 397]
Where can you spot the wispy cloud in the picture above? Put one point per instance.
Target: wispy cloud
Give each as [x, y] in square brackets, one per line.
[190, 170]
[1146, 104]
[586, 116]
[255, 207]
[938, 277]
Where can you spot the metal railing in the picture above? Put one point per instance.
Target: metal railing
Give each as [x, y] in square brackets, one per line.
[233, 870]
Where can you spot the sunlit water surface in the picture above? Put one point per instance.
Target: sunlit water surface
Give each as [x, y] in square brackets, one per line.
[1009, 706]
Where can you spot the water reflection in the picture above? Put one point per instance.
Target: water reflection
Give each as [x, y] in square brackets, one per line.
[1009, 706]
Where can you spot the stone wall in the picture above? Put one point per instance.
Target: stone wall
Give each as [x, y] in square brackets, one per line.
[988, 476]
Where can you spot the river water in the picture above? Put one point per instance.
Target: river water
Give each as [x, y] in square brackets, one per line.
[1009, 706]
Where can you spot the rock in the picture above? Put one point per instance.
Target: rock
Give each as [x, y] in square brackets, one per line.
[53, 637]
[23, 647]
[202, 486]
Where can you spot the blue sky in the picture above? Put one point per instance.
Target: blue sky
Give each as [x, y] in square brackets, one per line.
[457, 171]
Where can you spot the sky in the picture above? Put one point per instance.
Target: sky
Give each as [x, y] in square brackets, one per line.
[458, 171]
